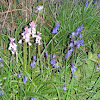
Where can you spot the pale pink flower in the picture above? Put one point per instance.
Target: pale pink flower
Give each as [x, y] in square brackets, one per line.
[12, 46]
[33, 28]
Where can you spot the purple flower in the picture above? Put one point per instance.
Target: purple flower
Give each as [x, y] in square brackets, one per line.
[79, 43]
[57, 24]
[20, 74]
[99, 2]
[98, 56]
[1, 93]
[64, 87]
[33, 99]
[69, 52]
[1, 65]
[86, 4]
[55, 30]
[79, 29]
[80, 35]
[71, 44]
[73, 68]
[34, 58]
[72, 36]
[25, 79]
[33, 63]
[97, 67]
[52, 61]
[54, 56]
[46, 54]
[1, 59]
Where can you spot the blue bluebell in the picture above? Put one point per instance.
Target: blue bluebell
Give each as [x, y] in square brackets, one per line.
[55, 30]
[33, 99]
[79, 29]
[20, 74]
[1, 60]
[34, 58]
[86, 4]
[99, 2]
[71, 44]
[33, 63]
[69, 52]
[1, 93]
[64, 87]
[54, 56]
[73, 68]
[57, 24]
[98, 55]
[25, 79]
[79, 43]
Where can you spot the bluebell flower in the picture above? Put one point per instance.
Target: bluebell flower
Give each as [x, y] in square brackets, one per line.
[55, 30]
[71, 44]
[54, 56]
[52, 61]
[57, 24]
[79, 43]
[69, 52]
[33, 99]
[73, 68]
[46, 54]
[33, 63]
[75, 76]
[1, 65]
[97, 67]
[64, 87]
[25, 79]
[99, 2]
[20, 74]
[72, 36]
[34, 58]
[98, 55]
[1, 93]
[80, 35]
[86, 4]
[79, 29]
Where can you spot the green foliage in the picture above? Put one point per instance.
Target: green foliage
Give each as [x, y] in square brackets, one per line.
[45, 83]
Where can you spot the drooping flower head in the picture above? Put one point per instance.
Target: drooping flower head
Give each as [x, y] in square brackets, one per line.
[12, 46]
[99, 2]
[57, 24]
[33, 99]
[73, 68]
[64, 87]
[55, 30]
[86, 4]
[79, 43]
[1, 60]
[19, 74]
[98, 55]
[25, 79]
[1, 93]
[69, 52]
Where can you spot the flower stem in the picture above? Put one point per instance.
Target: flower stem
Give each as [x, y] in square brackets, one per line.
[29, 59]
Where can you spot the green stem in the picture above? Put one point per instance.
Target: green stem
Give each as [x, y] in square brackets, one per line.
[25, 56]
[13, 65]
[29, 58]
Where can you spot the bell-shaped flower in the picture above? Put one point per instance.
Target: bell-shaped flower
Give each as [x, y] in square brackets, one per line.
[25, 79]
[73, 68]
[12, 46]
